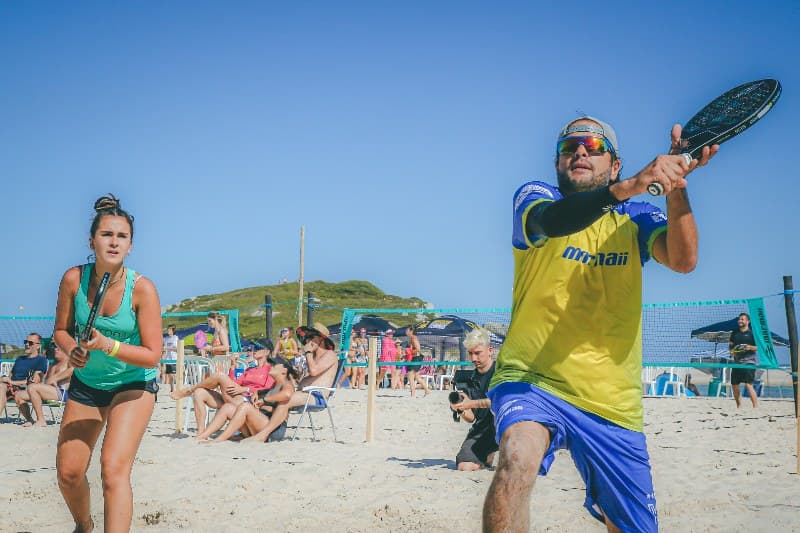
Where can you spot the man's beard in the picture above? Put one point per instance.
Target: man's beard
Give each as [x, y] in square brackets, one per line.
[567, 186]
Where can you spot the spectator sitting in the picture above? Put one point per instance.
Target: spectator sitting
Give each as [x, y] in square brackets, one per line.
[322, 366]
[250, 419]
[55, 383]
[219, 389]
[27, 369]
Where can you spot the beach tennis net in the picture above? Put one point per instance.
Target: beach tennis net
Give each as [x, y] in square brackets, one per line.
[683, 334]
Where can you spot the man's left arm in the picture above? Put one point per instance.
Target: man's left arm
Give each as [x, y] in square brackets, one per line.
[676, 248]
[318, 365]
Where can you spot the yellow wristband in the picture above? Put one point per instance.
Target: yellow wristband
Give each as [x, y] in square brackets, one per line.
[114, 350]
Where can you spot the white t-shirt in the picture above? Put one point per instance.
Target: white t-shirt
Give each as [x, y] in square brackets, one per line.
[171, 347]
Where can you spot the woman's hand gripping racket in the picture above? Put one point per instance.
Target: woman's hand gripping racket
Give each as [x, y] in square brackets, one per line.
[724, 118]
[79, 356]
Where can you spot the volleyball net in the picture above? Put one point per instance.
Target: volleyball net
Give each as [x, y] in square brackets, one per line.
[684, 334]
[688, 334]
[14, 329]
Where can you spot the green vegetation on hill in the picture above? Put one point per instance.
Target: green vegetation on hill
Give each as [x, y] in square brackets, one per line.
[331, 298]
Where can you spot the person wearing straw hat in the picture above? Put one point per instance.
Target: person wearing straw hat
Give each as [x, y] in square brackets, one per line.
[321, 361]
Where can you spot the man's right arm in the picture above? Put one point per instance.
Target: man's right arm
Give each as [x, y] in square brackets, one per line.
[568, 215]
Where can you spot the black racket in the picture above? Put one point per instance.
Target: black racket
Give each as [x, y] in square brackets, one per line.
[724, 118]
[98, 302]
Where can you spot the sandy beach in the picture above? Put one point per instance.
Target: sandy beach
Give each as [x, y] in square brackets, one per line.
[715, 468]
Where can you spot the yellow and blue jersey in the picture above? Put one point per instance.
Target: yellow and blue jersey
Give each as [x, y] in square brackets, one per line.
[576, 315]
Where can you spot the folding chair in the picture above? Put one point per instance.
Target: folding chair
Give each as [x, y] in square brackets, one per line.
[725, 383]
[311, 405]
[649, 374]
[57, 406]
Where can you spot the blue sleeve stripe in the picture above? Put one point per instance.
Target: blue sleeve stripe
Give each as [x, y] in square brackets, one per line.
[650, 241]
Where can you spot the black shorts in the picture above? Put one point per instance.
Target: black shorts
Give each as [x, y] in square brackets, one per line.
[86, 395]
[477, 448]
[169, 369]
[742, 375]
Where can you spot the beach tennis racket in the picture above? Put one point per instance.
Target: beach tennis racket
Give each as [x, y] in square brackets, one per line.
[98, 302]
[724, 118]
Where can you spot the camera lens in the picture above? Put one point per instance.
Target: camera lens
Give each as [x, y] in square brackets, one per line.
[454, 397]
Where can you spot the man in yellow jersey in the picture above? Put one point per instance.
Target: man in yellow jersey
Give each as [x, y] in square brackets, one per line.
[568, 374]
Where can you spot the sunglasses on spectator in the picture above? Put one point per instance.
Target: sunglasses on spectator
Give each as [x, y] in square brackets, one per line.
[30, 343]
[593, 145]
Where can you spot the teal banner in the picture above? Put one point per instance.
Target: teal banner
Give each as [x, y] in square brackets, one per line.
[761, 333]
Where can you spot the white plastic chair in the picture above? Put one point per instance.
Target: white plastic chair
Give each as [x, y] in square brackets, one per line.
[57, 406]
[725, 383]
[675, 384]
[195, 370]
[312, 407]
[446, 376]
[649, 374]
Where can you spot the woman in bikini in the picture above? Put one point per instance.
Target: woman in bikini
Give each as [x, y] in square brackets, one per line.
[220, 345]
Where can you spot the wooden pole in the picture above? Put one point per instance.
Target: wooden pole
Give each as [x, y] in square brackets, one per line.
[302, 266]
[268, 314]
[178, 385]
[372, 387]
[791, 324]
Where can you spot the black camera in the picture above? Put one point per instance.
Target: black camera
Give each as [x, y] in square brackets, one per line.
[455, 397]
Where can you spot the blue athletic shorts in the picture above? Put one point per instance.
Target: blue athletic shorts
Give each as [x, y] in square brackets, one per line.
[612, 460]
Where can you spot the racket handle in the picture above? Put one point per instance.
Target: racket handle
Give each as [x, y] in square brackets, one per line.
[656, 189]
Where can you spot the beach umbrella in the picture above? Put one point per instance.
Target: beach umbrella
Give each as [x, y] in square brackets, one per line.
[374, 325]
[720, 332]
[448, 329]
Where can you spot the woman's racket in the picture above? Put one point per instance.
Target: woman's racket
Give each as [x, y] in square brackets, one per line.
[724, 118]
[98, 303]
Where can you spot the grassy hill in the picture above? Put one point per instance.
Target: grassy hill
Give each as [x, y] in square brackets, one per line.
[332, 297]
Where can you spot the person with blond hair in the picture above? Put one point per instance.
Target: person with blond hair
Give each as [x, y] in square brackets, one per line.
[220, 344]
[479, 447]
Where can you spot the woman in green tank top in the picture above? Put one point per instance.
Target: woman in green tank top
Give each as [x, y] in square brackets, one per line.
[114, 383]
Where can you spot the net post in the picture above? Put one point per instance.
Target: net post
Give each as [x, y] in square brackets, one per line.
[268, 314]
[791, 323]
[372, 388]
[179, 383]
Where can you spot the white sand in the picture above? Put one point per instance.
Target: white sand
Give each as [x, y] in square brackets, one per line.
[715, 469]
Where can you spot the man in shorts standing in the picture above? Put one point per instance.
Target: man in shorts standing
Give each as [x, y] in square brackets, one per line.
[568, 374]
[743, 350]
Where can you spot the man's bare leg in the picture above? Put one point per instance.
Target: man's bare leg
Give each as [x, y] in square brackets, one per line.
[737, 395]
[752, 392]
[522, 449]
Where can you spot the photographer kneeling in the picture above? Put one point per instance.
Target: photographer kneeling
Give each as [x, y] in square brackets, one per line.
[473, 405]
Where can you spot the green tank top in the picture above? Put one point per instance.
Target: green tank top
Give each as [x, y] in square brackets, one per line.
[101, 371]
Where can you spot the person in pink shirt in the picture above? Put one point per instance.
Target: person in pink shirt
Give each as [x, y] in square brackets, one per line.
[219, 389]
[388, 353]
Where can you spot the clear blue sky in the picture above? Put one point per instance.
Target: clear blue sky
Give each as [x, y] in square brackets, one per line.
[396, 132]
